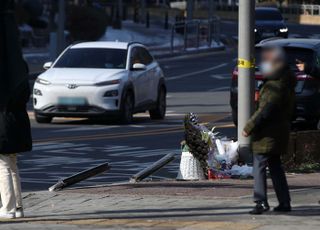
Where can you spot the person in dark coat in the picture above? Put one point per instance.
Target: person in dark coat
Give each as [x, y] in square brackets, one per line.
[270, 128]
[15, 131]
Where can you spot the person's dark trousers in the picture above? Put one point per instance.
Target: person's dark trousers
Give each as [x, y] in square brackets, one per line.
[278, 177]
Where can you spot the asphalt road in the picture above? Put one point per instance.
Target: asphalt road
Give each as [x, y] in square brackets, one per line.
[196, 84]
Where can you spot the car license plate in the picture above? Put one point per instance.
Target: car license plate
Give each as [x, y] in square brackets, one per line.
[72, 101]
[268, 34]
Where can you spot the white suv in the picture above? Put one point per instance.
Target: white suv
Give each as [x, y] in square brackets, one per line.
[101, 79]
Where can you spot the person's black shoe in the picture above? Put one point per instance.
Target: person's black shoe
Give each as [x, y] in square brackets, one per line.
[260, 208]
[283, 207]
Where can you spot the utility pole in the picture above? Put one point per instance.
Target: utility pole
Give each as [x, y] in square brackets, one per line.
[61, 27]
[190, 8]
[246, 71]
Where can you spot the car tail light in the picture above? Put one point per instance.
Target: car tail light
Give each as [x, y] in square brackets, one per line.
[235, 75]
[256, 96]
[259, 77]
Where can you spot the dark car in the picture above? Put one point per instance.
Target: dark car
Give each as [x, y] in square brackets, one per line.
[307, 88]
[269, 23]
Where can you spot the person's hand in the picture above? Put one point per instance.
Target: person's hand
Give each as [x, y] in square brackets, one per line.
[245, 134]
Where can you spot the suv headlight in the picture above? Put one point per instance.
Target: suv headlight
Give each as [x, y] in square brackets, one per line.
[112, 82]
[284, 30]
[43, 82]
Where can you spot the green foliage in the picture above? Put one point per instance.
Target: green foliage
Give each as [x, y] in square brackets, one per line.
[306, 168]
[86, 23]
[304, 152]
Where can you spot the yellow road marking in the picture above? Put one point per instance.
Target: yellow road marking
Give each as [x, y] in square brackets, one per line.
[109, 136]
[119, 135]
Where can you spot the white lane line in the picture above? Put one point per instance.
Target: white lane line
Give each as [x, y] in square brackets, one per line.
[197, 72]
[225, 88]
[137, 126]
[224, 76]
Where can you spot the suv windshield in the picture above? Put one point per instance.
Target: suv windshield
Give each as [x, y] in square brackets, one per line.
[95, 58]
[268, 15]
[293, 53]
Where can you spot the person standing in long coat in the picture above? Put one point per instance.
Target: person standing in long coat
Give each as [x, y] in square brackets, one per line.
[15, 132]
[269, 127]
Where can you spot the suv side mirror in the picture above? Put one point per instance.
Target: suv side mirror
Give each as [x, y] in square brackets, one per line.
[139, 66]
[47, 65]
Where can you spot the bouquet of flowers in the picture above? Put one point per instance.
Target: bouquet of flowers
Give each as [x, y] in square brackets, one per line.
[194, 141]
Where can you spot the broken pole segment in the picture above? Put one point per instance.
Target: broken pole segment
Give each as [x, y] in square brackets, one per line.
[153, 168]
[80, 177]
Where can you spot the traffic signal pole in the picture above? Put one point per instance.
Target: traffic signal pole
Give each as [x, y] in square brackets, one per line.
[246, 71]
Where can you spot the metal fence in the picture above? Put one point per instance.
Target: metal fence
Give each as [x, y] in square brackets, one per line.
[292, 9]
[302, 10]
[196, 33]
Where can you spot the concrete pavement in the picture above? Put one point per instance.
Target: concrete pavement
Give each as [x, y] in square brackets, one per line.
[169, 205]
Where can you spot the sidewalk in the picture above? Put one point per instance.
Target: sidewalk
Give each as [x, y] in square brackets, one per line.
[169, 205]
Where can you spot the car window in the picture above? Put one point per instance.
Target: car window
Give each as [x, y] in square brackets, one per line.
[96, 58]
[268, 15]
[140, 55]
[146, 57]
[135, 56]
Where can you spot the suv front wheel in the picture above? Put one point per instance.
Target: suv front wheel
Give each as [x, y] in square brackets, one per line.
[127, 108]
[159, 112]
[42, 119]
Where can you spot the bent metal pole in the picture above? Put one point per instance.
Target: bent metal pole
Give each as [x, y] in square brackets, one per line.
[246, 67]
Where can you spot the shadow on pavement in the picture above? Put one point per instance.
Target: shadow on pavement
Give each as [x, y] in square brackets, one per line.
[305, 211]
[140, 214]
